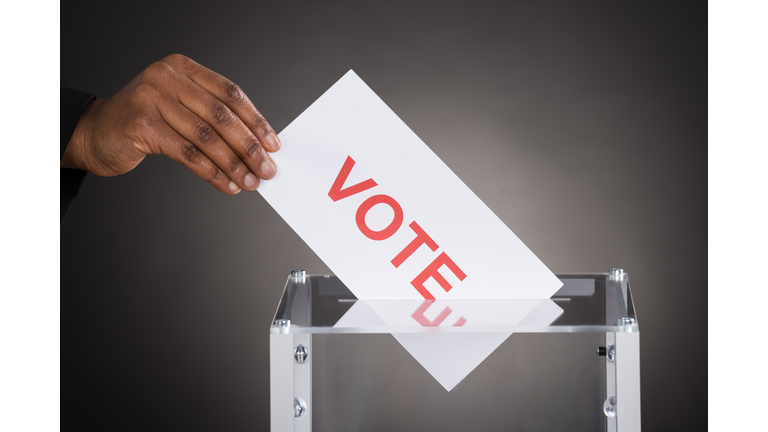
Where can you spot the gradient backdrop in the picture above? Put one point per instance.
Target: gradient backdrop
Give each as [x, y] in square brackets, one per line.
[582, 125]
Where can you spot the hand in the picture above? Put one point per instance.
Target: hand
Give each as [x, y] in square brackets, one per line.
[178, 108]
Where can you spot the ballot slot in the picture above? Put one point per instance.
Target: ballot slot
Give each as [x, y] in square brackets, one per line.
[331, 300]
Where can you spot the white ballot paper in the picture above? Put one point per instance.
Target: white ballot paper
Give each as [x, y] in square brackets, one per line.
[393, 222]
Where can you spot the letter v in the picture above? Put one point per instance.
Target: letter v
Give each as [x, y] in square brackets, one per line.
[336, 193]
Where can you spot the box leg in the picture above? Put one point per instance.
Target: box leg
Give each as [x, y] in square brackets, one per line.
[281, 382]
[610, 379]
[302, 382]
[628, 381]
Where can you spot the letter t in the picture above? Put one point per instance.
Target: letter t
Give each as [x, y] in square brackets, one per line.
[421, 238]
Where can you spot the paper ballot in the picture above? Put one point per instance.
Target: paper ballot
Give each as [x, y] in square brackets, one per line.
[393, 222]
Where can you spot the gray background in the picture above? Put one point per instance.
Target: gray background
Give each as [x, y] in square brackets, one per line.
[582, 126]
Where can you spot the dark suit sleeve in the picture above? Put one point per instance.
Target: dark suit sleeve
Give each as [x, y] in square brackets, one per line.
[72, 105]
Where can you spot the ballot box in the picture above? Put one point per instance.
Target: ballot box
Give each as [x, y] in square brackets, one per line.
[581, 372]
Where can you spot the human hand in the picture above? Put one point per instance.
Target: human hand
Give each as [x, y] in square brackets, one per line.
[178, 108]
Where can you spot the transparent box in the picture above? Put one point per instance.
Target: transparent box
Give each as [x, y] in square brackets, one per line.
[579, 373]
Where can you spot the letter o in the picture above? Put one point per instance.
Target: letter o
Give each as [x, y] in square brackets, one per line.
[368, 204]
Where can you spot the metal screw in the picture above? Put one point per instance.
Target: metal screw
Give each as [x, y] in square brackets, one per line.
[283, 323]
[616, 272]
[609, 407]
[299, 407]
[298, 273]
[609, 352]
[626, 321]
[300, 354]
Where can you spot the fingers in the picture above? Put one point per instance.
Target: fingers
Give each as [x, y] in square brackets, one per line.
[229, 126]
[182, 150]
[234, 98]
[205, 141]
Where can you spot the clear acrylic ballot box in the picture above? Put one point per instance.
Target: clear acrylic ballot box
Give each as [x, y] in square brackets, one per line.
[579, 373]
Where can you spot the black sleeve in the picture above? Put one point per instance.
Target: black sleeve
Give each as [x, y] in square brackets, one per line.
[72, 105]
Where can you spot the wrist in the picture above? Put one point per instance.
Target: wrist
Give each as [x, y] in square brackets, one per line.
[76, 154]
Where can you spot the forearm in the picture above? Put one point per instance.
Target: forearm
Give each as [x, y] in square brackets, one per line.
[72, 105]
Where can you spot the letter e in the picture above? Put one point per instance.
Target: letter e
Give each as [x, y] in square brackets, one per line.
[432, 271]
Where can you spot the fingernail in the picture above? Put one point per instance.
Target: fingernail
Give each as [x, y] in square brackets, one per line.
[233, 187]
[251, 182]
[273, 140]
[268, 168]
